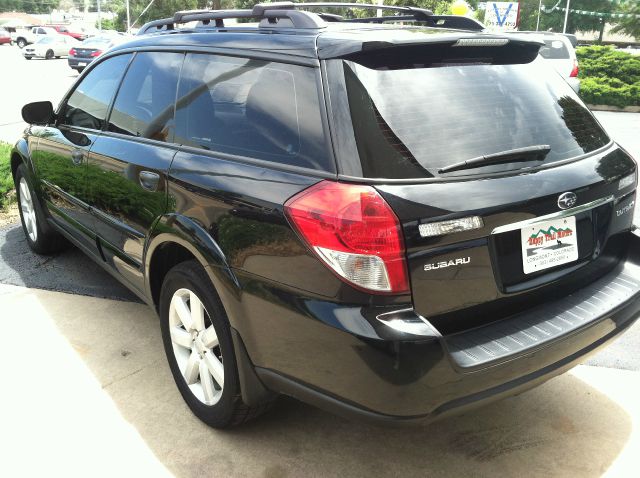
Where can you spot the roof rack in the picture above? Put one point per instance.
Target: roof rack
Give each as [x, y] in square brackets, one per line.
[288, 15]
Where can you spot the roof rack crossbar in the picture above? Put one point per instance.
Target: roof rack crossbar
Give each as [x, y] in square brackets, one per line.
[415, 11]
[454, 22]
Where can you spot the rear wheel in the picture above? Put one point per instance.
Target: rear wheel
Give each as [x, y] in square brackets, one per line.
[41, 237]
[48, 55]
[197, 340]
[21, 42]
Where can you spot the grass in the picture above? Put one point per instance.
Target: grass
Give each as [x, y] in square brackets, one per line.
[6, 181]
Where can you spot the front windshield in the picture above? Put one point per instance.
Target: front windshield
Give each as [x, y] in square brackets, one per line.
[45, 40]
[411, 122]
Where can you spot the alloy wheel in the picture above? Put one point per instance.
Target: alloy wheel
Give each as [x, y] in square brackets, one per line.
[28, 211]
[196, 347]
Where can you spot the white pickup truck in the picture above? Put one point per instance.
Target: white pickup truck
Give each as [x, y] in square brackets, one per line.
[25, 36]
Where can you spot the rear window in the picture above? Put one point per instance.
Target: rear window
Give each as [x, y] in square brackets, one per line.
[251, 108]
[554, 50]
[409, 123]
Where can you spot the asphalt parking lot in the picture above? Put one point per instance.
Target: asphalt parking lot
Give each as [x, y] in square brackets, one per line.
[86, 389]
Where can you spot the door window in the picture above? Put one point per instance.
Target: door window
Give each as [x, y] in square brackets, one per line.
[251, 108]
[144, 106]
[88, 105]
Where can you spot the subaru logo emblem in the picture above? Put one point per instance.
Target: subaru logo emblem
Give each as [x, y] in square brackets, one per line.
[567, 200]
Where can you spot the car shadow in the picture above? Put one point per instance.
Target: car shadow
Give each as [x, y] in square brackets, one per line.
[563, 428]
[68, 271]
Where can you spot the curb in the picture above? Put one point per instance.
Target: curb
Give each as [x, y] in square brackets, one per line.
[626, 109]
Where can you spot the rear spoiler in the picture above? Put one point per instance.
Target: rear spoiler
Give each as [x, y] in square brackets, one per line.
[458, 46]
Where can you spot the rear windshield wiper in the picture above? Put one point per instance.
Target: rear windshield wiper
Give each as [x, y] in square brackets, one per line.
[528, 153]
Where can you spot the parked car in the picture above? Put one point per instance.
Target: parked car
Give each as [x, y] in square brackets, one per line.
[27, 36]
[5, 36]
[559, 52]
[50, 46]
[387, 221]
[81, 55]
[64, 30]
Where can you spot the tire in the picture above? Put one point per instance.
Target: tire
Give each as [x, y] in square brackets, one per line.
[80, 70]
[222, 407]
[41, 237]
[21, 42]
[48, 55]
[27, 58]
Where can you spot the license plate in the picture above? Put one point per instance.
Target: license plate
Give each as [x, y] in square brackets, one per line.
[82, 64]
[548, 244]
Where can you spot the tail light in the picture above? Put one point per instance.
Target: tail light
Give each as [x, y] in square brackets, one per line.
[73, 52]
[574, 71]
[96, 53]
[353, 230]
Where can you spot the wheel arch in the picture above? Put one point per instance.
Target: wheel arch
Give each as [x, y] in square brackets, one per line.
[20, 155]
[175, 239]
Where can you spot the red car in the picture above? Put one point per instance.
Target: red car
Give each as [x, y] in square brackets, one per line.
[5, 37]
[63, 30]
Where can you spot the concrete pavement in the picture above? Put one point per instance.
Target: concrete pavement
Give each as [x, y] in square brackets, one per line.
[68, 271]
[86, 390]
[26, 81]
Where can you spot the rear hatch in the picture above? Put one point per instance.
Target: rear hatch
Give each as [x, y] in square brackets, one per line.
[84, 52]
[508, 190]
[556, 52]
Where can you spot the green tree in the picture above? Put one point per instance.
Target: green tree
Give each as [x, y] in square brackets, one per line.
[28, 6]
[555, 20]
[629, 26]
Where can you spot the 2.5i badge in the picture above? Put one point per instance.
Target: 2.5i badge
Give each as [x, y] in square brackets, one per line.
[548, 244]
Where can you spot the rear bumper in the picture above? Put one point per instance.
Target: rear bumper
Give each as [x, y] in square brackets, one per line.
[395, 367]
[79, 62]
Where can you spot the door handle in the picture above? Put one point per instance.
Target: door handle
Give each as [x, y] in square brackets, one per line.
[149, 180]
[77, 156]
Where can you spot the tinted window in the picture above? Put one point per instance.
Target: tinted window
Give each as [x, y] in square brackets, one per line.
[88, 105]
[251, 108]
[408, 123]
[144, 106]
[554, 50]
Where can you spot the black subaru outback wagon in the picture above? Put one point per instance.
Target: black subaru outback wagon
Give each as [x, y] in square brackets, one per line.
[389, 221]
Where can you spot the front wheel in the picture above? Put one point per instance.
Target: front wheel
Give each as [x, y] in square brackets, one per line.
[41, 237]
[48, 55]
[197, 341]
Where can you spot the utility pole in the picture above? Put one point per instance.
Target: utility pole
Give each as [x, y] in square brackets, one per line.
[379, 10]
[128, 18]
[566, 17]
[539, 8]
[99, 17]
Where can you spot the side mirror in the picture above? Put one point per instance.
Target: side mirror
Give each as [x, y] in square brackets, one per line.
[40, 112]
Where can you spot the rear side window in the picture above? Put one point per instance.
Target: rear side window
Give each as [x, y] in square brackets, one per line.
[88, 105]
[144, 106]
[554, 50]
[251, 108]
[409, 123]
